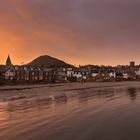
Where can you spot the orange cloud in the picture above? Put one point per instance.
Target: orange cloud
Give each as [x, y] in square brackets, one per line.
[79, 32]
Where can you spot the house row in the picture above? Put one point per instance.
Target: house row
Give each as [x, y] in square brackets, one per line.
[29, 73]
[11, 72]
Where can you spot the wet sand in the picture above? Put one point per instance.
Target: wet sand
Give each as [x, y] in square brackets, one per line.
[27, 91]
[93, 111]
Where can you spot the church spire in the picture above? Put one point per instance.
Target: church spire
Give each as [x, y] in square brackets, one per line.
[8, 61]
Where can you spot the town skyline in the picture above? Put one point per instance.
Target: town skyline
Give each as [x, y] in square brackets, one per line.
[24, 63]
[51, 70]
[19, 61]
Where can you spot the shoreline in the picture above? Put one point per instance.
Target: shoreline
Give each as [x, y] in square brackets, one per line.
[85, 84]
[10, 93]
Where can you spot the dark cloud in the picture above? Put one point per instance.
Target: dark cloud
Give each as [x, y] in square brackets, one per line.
[88, 31]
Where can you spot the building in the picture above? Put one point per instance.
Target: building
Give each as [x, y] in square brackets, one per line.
[26, 73]
[8, 61]
[132, 64]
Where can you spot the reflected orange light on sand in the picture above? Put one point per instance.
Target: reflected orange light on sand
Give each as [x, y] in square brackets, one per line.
[3, 113]
[3, 116]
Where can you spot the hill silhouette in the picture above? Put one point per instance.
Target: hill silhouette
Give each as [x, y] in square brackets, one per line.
[48, 61]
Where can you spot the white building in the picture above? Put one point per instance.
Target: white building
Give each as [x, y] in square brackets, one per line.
[94, 74]
[9, 74]
[125, 75]
[112, 74]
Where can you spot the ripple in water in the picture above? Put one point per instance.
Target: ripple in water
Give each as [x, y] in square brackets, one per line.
[105, 114]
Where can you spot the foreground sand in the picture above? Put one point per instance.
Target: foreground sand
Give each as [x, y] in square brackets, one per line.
[93, 111]
[8, 93]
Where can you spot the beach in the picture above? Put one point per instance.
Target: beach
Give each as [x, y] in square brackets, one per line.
[27, 91]
[71, 111]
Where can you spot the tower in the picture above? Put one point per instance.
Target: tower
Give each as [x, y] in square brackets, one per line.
[132, 64]
[8, 61]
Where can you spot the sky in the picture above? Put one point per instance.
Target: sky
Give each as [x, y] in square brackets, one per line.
[103, 32]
